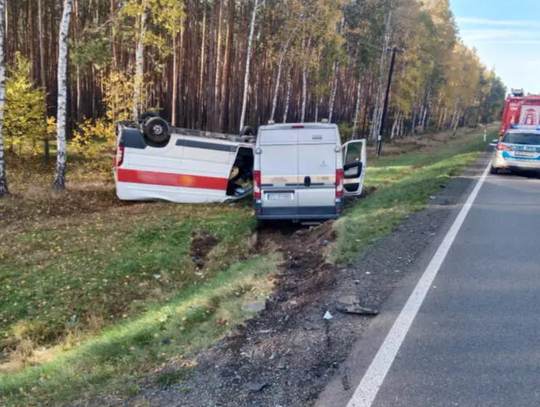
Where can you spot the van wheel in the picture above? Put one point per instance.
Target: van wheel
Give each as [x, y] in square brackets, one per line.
[147, 115]
[157, 131]
[493, 170]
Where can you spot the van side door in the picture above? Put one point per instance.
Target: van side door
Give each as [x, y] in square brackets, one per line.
[354, 167]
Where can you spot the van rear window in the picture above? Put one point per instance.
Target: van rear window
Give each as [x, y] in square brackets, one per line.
[522, 138]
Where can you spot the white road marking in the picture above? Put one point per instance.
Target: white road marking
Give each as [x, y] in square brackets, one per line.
[367, 390]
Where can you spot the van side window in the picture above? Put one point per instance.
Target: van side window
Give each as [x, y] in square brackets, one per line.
[354, 154]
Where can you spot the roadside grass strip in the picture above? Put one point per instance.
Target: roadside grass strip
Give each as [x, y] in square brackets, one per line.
[115, 361]
[404, 185]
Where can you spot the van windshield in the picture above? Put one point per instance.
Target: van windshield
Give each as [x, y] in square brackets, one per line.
[527, 139]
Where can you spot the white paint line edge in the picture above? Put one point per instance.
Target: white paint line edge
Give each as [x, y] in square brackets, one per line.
[367, 390]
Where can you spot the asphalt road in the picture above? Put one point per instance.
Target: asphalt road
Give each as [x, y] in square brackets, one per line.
[476, 338]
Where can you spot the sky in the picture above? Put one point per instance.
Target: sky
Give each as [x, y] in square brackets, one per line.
[506, 34]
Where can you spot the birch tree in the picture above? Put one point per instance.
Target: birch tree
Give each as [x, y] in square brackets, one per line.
[139, 61]
[256, 7]
[3, 179]
[60, 177]
[377, 112]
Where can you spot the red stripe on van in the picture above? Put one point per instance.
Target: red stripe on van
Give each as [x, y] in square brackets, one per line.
[171, 180]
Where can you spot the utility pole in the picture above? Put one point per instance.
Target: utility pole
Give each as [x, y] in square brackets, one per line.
[394, 51]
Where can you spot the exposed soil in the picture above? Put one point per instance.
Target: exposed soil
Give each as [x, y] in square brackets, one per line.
[287, 355]
[202, 243]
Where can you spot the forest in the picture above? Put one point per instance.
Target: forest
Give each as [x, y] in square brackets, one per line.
[75, 67]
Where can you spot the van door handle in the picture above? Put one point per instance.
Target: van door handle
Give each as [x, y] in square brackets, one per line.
[307, 181]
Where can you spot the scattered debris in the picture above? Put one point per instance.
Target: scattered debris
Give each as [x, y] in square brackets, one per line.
[357, 309]
[255, 307]
[327, 315]
[350, 304]
[257, 386]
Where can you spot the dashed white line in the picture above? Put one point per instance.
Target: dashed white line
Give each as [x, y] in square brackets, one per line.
[367, 390]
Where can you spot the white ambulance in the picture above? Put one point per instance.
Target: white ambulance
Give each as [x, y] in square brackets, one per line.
[303, 171]
[157, 162]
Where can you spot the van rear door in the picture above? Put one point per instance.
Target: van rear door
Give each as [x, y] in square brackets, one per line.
[354, 167]
[317, 171]
[279, 171]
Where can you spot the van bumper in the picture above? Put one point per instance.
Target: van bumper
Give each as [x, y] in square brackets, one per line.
[299, 213]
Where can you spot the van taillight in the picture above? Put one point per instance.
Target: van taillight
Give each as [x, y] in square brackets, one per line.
[339, 183]
[119, 157]
[257, 185]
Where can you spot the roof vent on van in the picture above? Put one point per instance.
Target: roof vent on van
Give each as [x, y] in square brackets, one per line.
[324, 121]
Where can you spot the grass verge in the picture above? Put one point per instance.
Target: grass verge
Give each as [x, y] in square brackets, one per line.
[114, 363]
[404, 185]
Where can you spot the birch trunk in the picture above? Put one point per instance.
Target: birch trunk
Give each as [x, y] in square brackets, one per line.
[456, 122]
[377, 113]
[304, 94]
[413, 124]
[139, 63]
[287, 96]
[3, 179]
[334, 91]
[248, 63]
[276, 88]
[60, 177]
[357, 108]
[395, 126]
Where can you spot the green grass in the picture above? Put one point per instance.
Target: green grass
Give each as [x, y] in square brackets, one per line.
[115, 361]
[60, 278]
[404, 185]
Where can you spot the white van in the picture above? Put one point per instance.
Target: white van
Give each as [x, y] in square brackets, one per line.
[303, 172]
[155, 162]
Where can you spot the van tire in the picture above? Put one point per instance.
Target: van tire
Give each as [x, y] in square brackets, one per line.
[157, 131]
[493, 170]
[147, 115]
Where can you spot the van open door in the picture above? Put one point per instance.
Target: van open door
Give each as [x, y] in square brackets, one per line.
[354, 167]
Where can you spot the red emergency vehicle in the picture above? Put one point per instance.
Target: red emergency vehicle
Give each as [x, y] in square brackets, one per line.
[521, 110]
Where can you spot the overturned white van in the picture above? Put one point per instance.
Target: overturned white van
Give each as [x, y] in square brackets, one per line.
[157, 162]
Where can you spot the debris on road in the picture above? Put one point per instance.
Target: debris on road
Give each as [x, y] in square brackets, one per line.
[257, 386]
[357, 309]
[350, 304]
[327, 315]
